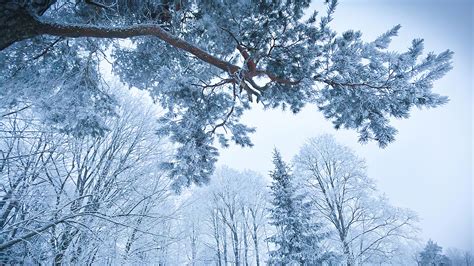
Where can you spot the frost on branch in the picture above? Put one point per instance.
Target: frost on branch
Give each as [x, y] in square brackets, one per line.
[366, 85]
[201, 62]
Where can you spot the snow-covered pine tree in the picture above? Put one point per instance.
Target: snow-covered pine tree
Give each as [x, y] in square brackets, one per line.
[206, 63]
[297, 237]
[432, 255]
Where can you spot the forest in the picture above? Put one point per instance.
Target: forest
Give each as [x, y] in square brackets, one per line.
[113, 114]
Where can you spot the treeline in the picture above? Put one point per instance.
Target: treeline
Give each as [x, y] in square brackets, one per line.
[322, 211]
[107, 200]
[432, 254]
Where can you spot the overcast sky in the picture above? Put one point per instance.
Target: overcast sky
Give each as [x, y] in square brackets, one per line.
[429, 167]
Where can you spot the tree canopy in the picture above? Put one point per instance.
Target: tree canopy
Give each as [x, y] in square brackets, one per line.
[205, 63]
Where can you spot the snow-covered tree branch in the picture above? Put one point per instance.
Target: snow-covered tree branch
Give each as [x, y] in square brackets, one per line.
[205, 64]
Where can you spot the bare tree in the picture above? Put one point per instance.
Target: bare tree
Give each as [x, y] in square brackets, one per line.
[233, 207]
[62, 197]
[368, 228]
[459, 257]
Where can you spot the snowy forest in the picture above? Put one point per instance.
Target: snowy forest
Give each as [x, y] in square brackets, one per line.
[113, 114]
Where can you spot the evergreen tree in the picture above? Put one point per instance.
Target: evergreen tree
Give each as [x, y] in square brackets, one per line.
[432, 255]
[297, 238]
[206, 63]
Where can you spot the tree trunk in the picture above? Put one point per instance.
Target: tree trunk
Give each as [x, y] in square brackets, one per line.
[65, 240]
[348, 253]
[255, 241]
[215, 221]
[193, 246]
[246, 246]
[225, 244]
[235, 244]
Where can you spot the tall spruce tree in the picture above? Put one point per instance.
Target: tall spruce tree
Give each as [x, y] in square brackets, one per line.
[297, 237]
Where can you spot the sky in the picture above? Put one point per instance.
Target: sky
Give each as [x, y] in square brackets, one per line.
[429, 168]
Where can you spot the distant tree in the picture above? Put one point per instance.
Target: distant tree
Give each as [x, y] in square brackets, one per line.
[256, 218]
[432, 255]
[230, 216]
[368, 228]
[297, 237]
[468, 258]
[459, 257]
[206, 63]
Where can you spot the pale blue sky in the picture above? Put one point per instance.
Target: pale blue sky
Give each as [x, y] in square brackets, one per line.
[429, 167]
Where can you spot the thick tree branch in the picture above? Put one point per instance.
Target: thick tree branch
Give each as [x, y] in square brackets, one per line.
[277, 79]
[76, 31]
[250, 62]
[36, 27]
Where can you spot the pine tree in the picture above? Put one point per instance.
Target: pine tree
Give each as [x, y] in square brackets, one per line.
[297, 238]
[432, 255]
[186, 55]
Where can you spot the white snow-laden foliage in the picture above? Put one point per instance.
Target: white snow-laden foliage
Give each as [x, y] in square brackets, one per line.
[110, 107]
[226, 222]
[297, 236]
[432, 255]
[203, 62]
[105, 200]
[367, 229]
[84, 200]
